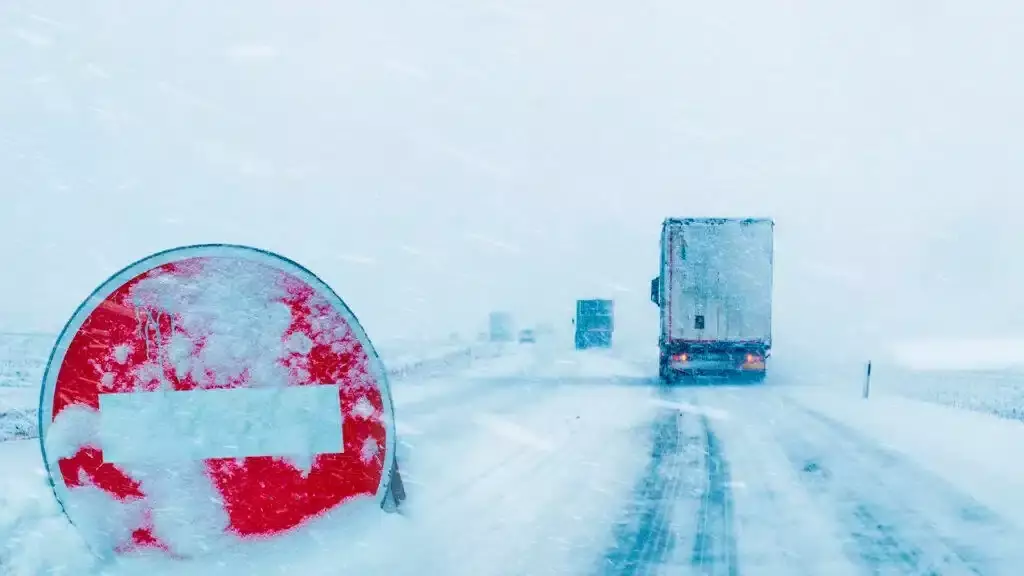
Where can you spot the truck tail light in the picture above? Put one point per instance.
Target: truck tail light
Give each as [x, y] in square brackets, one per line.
[681, 358]
[754, 361]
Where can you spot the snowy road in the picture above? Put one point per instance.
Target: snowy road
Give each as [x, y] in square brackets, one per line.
[813, 496]
[548, 461]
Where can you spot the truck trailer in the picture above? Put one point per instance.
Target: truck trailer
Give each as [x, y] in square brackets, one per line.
[714, 292]
[500, 327]
[594, 323]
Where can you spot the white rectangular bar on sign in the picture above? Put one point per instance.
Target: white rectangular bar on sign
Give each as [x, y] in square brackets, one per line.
[168, 426]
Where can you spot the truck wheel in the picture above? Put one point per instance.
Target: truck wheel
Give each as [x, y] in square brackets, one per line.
[665, 373]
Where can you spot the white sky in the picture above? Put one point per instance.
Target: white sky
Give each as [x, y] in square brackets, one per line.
[435, 160]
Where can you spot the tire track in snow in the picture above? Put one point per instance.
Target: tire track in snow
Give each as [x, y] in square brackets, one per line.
[900, 519]
[683, 498]
[647, 538]
[781, 529]
[714, 549]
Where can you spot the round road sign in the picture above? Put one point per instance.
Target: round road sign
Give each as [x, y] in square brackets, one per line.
[211, 395]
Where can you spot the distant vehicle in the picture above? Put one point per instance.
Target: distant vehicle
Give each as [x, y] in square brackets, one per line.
[714, 292]
[594, 323]
[527, 336]
[501, 329]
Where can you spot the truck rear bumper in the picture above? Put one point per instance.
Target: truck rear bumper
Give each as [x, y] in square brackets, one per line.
[704, 365]
[714, 360]
[717, 365]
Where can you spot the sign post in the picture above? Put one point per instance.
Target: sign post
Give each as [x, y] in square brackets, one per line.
[210, 395]
[867, 381]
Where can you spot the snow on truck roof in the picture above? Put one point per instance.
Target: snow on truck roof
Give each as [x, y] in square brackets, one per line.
[716, 220]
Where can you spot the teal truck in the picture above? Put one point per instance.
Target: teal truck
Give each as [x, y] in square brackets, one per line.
[594, 323]
[500, 327]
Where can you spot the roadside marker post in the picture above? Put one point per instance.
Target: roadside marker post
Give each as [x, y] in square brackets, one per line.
[867, 381]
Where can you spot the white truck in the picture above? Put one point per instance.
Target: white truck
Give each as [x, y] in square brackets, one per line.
[714, 293]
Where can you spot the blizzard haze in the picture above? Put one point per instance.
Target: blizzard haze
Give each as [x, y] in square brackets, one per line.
[435, 161]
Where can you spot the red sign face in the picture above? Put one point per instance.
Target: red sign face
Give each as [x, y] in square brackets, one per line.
[210, 395]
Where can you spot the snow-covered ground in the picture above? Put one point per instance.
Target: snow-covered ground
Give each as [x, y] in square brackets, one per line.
[983, 375]
[23, 358]
[480, 454]
[22, 362]
[544, 460]
[997, 392]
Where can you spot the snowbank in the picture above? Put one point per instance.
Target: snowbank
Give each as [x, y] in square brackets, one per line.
[434, 391]
[975, 452]
[18, 407]
[443, 357]
[37, 539]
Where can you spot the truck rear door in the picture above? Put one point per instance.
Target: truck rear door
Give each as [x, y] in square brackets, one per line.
[718, 280]
[594, 323]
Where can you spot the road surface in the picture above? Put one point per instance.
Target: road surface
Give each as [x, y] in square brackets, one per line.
[551, 461]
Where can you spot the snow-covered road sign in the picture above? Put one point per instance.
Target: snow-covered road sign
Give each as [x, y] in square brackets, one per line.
[211, 395]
